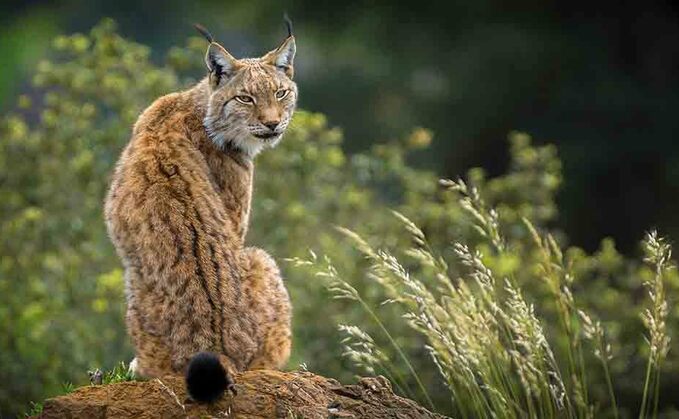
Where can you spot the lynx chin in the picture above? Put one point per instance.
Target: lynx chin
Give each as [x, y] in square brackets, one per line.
[199, 301]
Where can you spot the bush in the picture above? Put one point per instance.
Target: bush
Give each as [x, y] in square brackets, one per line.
[61, 287]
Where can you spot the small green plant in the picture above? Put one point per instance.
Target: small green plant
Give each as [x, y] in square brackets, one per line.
[67, 387]
[118, 374]
[35, 409]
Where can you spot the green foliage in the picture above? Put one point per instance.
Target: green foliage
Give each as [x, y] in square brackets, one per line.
[34, 410]
[118, 374]
[67, 387]
[61, 284]
[485, 339]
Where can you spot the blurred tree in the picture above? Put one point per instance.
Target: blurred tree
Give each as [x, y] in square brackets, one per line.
[599, 80]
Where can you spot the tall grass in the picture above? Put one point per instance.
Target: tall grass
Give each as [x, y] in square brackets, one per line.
[658, 255]
[484, 337]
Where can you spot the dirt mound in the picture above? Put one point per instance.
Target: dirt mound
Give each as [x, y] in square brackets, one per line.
[261, 394]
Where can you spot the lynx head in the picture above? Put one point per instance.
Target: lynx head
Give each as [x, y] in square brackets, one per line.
[251, 100]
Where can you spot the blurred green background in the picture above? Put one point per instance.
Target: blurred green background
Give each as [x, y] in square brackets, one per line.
[600, 81]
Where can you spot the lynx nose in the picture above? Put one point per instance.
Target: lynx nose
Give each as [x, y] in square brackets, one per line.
[272, 125]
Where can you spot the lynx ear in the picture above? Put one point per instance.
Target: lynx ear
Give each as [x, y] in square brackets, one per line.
[220, 63]
[283, 56]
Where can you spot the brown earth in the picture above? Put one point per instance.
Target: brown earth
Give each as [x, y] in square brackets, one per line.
[260, 394]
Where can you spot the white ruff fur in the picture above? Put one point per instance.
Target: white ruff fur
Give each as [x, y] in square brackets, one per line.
[238, 137]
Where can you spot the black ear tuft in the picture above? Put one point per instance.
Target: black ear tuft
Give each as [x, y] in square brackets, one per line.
[206, 378]
[203, 31]
[288, 23]
[220, 63]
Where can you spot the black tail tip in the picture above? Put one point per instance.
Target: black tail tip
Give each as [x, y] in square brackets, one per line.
[206, 378]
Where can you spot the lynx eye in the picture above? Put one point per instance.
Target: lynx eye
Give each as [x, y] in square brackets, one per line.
[245, 99]
[282, 93]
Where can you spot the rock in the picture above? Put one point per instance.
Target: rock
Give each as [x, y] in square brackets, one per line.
[260, 394]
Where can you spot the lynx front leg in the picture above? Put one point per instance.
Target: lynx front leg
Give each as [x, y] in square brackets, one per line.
[268, 299]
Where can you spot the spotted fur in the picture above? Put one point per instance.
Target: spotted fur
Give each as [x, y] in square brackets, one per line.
[177, 212]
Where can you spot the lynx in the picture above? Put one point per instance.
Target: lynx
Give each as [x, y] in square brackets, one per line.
[199, 301]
